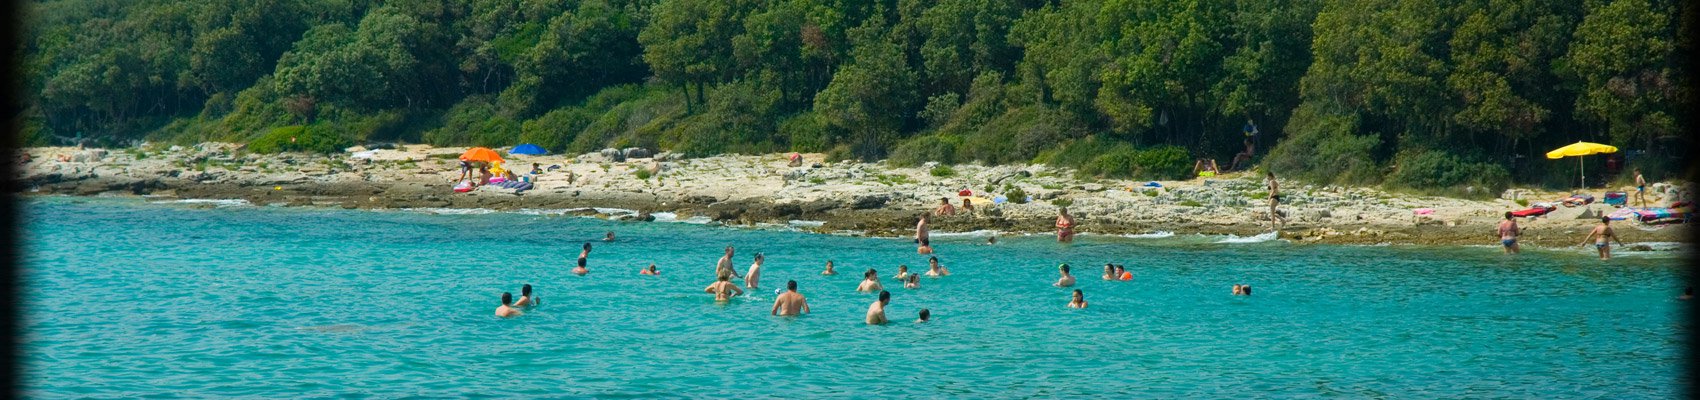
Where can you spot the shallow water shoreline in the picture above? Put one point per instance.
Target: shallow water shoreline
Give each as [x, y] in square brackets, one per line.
[872, 199]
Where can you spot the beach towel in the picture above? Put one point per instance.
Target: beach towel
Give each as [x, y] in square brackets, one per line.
[1616, 198]
[1623, 214]
[1423, 211]
[1153, 184]
[463, 187]
[1533, 211]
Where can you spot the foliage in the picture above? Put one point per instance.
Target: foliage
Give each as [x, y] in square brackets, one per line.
[942, 170]
[297, 138]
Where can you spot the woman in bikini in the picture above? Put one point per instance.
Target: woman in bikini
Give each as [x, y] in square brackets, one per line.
[1065, 226]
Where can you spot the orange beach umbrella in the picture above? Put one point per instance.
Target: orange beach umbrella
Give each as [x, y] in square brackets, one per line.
[481, 154]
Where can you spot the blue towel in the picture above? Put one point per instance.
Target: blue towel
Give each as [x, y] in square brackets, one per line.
[1153, 184]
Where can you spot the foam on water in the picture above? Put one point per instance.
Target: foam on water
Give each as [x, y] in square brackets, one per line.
[1258, 238]
[216, 202]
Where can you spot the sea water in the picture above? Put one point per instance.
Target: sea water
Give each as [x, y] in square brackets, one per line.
[129, 299]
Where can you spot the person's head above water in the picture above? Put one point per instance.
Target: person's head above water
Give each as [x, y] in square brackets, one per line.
[610, 235]
[728, 250]
[885, 297]
[507, 298]
[587, 244]
[791, 285]
[870, 274]
[902, 268]
[758, 257]
[934, 260]
[915, 278]
[1108, 268]
[525, 290]
[1078, 296]
[925, 314]
[1063, 267]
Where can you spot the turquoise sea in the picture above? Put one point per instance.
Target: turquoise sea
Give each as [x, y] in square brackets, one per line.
[130, 299]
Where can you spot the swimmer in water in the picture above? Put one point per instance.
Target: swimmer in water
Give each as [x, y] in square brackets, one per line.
[934, 269]
[505, 311]
[1109, 272]
[925, 315]
[992, 240]
[1066, 280]
[876, 311]
[926, 248]
[609, 237]
[790, 303]
[914, 282]
[829, 270]
[723, 288]
[754, 274]
[1122, 274]
[582, 255]
[649, 271]
[1602, 236]
[902, 273]
[724, 266]
[1079, 300]
[525, 299]
[1687, 293]
[870, 282]
[1242, 290]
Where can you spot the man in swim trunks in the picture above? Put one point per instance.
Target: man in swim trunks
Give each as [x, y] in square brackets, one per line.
[945, 208]
[934, 269]
[724, 266]
[1603, 235]
[649, 271]
[525, 299]
[1065, 225]
[921, 234]
[925, 248]
[870, 282]
[1508, 232]
[1066, 280]
[829, 270]
[902, 273]
[1079, 300]
[505, 311]
[876, 311]
[1640, 187]
[1275, 218]
[790, 303]
[723, 288]
[754, 274]
[582, 255]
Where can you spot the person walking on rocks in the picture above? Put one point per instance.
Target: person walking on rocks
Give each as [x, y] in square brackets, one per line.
[1275, 219]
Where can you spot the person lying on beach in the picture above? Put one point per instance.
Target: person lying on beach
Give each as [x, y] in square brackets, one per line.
[945, 208]
[934, 269]
[1508, 234]
[505, 311]
[609, 237]
[1066, 280]
[1602, 236]
[829, 270]
[723, 288]
[754, 274]
[925, 315]
[914, 282]
[525, 299]
[902, 273]
[649, 271]
[790, 303]
[1109, 272]
[870, 282]
[724, 266]
[1079, 300]
[876, 311]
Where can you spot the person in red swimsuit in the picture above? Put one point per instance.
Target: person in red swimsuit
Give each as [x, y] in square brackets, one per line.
[1065, 226]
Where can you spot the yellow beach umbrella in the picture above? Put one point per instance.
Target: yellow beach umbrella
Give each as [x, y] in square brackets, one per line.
[1578, 150]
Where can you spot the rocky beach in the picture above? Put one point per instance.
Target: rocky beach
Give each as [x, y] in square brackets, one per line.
[832, 197]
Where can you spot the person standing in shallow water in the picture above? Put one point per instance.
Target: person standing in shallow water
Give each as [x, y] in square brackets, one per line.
[1508, 232]
[921, 236]
[724, 266]
[1066, 280]
[754, 274]
[829, 271]
[876, 311]
[1275, 219]
[870, 282]
[790, 303]
[723, 289]
[505, 311]
[525, 298]
[934, 269]
[1065, 225]
[1602, 235]
[582, 256]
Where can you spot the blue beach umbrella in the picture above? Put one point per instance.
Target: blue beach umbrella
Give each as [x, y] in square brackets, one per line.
[528, 149]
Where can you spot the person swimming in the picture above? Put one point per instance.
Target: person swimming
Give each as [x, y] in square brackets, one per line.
[754, 274]
[1066, 280]
[1109, 272]
[902, 273]
[1602, 235]
[1687, 293]
[582, 255]
[649, 270]
[1079, 300]
[1242, 290]
[725, 264]
[525, 299]
[876, 311]
[790, 303]
[609, 237]
[992, 240]
[1508, 232]
[505, 311]
[870, 282]
[1065, 225]
[1121, 274]
[925, 315]
[914, 282]
[829, 270]
[723, 289]
[934, 269]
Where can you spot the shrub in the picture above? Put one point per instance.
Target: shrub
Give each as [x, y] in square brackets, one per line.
[1164, 162]
[1062, 202]
[642, 174]
[1014, 194]
[1190, 203]
[555, 129]
[943, 170]
[805, 132]
[312, 139]
[1323, 147]
[474, 121]
[1434, 169]
[921, 149]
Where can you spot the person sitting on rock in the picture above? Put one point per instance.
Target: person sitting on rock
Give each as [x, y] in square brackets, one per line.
[796, 160]
[944, 207]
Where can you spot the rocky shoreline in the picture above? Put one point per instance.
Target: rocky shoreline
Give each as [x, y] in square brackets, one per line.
[871, 199]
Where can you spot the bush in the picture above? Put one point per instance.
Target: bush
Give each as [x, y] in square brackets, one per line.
[556, 129]
[311, 139]
[1019, 135]
[805, 132]
[942, 171]
[474, 121]
[921, 149]
[1164, 162]
[1434, 169]
[642, 174]
[1014, 194]
[1323, 147]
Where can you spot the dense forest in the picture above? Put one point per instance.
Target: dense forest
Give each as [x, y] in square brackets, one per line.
[1418, 93]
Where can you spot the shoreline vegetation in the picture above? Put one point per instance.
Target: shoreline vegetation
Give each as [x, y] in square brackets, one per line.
[872, 198]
